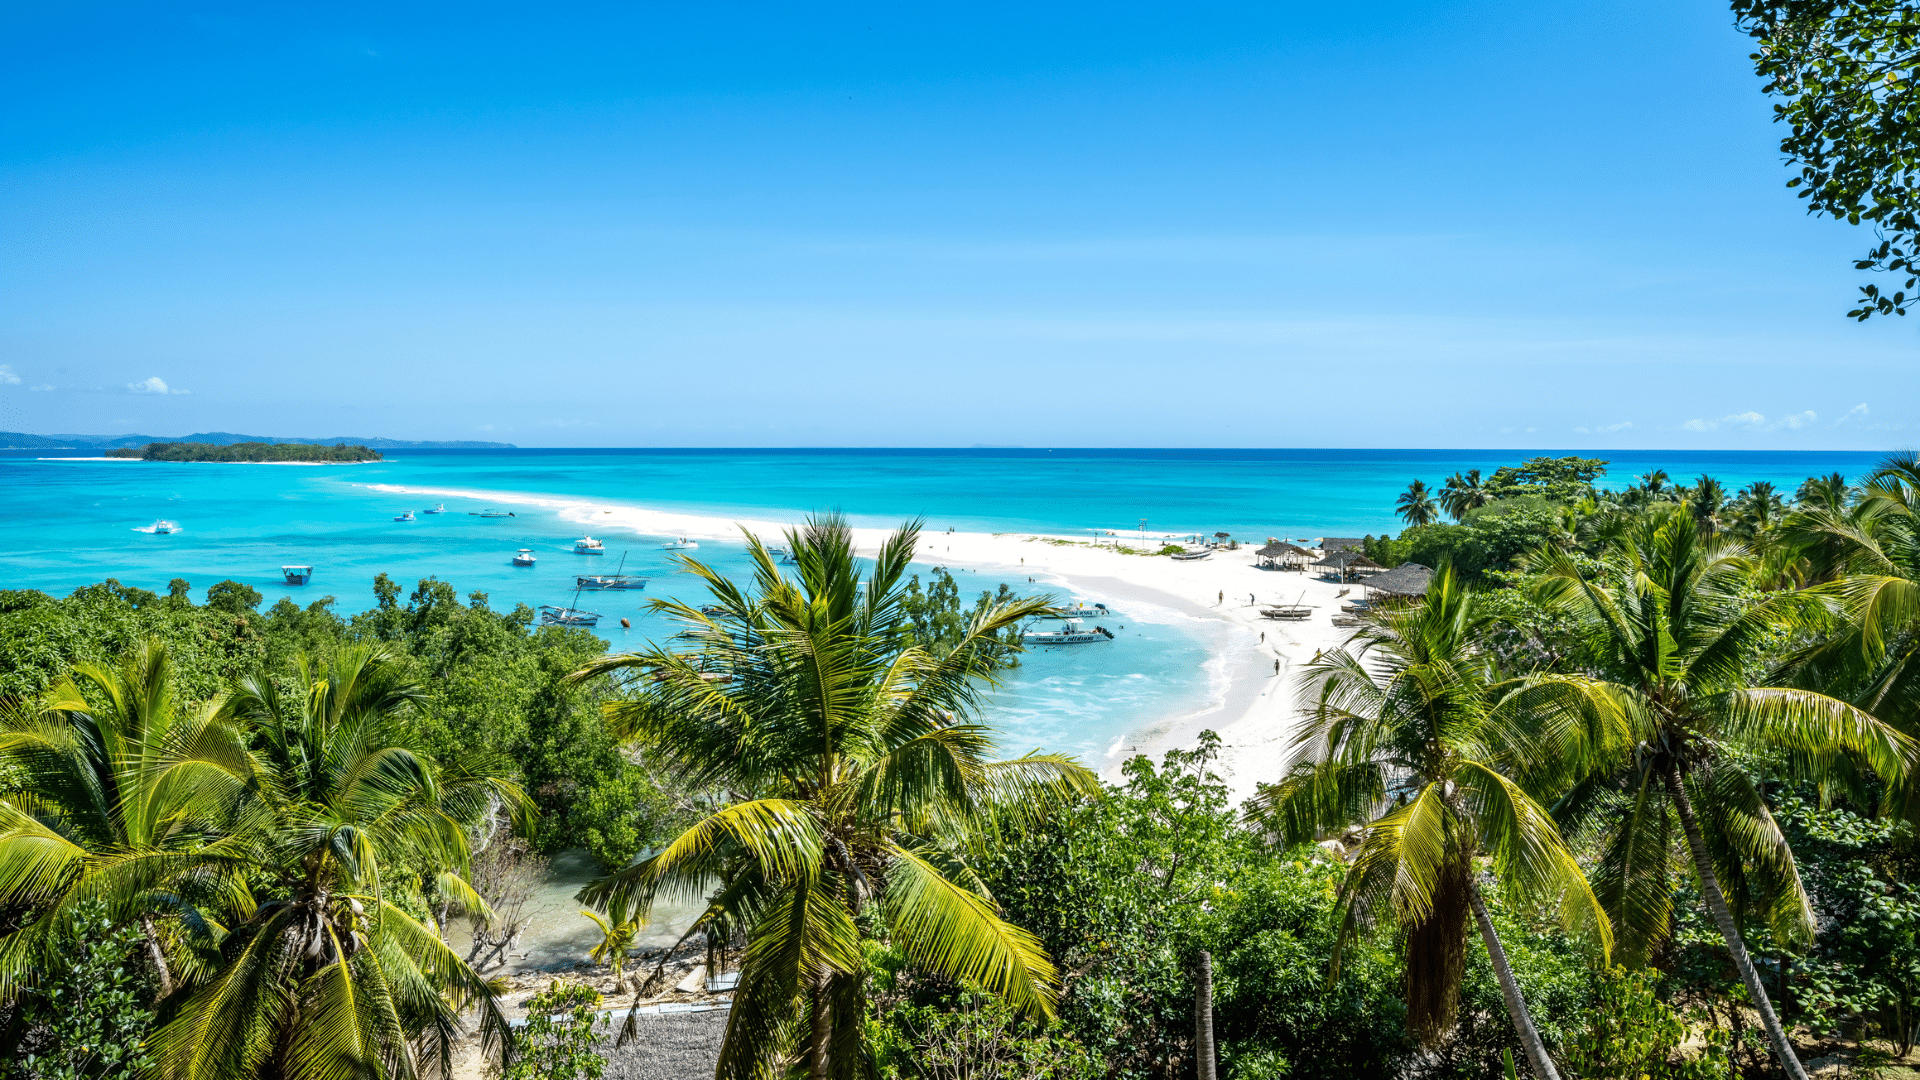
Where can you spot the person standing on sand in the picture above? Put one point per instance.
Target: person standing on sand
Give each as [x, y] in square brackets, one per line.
[1276, 665]
[1222, 599]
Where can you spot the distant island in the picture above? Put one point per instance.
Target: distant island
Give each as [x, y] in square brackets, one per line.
[248, 451]
[19, 440]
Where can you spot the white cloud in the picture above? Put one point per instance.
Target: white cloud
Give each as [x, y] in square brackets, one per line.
[1857, 412]
[1753, 421]
[7, 377]
[41, 386]
[1605, 429]
[154, 385]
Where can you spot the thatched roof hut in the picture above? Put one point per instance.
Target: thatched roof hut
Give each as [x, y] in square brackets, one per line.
[1349, 563]
[1279, 553]
[1407, 579]
[1331, 544]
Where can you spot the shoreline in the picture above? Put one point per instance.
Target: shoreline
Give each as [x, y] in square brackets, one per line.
[1250, 704]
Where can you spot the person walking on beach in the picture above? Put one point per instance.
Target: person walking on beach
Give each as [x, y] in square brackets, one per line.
[1276, 665]
[1222, 599]
[1263, 637]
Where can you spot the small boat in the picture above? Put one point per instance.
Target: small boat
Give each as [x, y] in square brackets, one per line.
[1072, 633]
[297, 575]
[1080, 609]
[615, 580]
[1191, 556]
[162, 527]
[440, 508]
[523, 557]
[587, 545]
[490, 513]
[682, 544]
[408, 516]
[1294, 612]
[567, 616]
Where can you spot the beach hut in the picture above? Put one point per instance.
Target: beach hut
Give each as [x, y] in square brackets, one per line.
[1406, 581]
[1348, 564]
[1333, 545]
[1280, 555]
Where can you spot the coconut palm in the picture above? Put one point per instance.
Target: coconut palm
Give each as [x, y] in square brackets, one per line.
[1464, 493]
[1707, 501]
[857, 784]
[619, 928]
[1415, 739]
[1830, 492]
[1416, 506]
[1667, 621]
[319, 973]
[122, 795]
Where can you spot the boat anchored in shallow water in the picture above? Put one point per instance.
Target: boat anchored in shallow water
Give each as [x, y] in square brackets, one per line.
[682, 544]
[523, 557]
[615, 580]
[1072, 633]
[440, 508]
[587, 545]
[163, 527]
[490, 513]
[1080, 609]
[297, 575]
[408, 516]
[567, 616]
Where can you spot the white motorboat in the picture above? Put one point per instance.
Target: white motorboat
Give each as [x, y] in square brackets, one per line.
[1080, 609]
[523, 557]
[162, 527]
[1073, 632]
[440, 508]
[587, 545]
[408, 516]
[297, 575]
[682, 544]
[567, 616]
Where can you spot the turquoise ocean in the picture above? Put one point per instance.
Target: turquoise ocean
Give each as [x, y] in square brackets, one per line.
[69, 522]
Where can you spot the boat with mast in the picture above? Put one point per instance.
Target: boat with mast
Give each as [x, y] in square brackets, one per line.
[615, 580]
[570, 615]
[1071, 632]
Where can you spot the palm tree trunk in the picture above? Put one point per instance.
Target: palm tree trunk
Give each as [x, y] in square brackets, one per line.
[163, 974]
[1203, 1017]
[1537, 1060]
[820, 1035]
[1722, 917]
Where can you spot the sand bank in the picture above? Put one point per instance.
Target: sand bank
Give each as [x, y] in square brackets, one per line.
[1252, 702]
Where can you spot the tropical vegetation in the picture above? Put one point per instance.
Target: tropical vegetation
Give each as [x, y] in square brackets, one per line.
[249, 452]
[1675, 717]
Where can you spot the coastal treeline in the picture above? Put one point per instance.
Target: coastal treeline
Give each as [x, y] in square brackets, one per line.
[248, 452]
[1635, 798]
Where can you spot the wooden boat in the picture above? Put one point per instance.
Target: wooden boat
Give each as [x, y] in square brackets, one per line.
[567, 616]
[490, 513]
[615, 580]
[1294, 612]
[1191, 556]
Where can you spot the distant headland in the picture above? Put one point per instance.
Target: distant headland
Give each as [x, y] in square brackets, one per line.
[251, 452]
[15, 440]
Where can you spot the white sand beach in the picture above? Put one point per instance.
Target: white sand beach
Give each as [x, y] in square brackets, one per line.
[1253, 704]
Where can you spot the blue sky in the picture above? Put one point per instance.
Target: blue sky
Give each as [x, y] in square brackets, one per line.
[1279, 224]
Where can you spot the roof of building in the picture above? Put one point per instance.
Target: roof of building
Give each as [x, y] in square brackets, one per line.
[1331, 544]
[1349, 560]
[1407, 579]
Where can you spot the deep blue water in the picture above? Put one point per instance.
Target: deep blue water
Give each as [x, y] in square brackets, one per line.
[68, 523]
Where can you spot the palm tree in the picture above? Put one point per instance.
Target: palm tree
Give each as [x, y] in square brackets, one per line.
[1707, 500]
[1666, 621]
[1413, 739]
[1416, 506]
[618, 931]
[1830, 492]
[1464, 494]
[120, 795]
[858, 784]
[1655, 485]
[322, 974]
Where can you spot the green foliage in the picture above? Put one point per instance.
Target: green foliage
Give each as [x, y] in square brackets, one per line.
[1843, 70]
[83, 1019]
[973, 1037]
[1566, 479]
[233, 597]
[941, 622]
[249, 451]
[1489, 540]
[1632, 1035]
[561, 1039]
